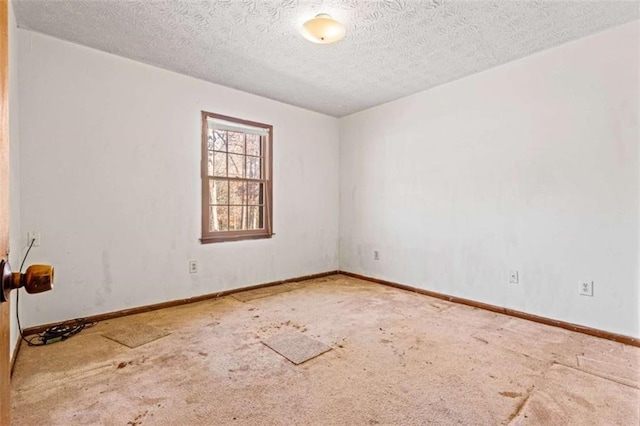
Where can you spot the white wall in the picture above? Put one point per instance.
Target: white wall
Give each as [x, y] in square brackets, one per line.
[110, 176]
[15, 242]
[531, 166]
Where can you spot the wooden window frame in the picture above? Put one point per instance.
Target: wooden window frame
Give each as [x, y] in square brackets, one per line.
[267, 179]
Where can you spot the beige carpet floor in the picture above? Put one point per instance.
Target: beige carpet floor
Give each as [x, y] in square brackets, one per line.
[397, 358]
[246, 296]
[135, 335]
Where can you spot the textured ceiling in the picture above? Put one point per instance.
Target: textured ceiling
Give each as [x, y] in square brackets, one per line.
[393, 48]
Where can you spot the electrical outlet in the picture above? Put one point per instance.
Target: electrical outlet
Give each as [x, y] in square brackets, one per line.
[586, 288]
[376, 255]
[35, 237]
[193, 266]
[514, 277]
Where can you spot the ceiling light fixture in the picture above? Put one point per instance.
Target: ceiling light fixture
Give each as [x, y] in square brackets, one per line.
[323, 29]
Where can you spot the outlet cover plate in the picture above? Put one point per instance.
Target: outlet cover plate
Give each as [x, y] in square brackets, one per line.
[514, 277]
[586, 288]
[35, 236]
[193, 266]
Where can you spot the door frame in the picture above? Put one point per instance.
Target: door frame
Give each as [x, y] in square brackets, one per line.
[5, 323]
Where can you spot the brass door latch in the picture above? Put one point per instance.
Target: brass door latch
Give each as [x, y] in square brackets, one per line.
[36, 279]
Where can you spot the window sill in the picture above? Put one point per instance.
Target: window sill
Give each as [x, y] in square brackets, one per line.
[227, 238]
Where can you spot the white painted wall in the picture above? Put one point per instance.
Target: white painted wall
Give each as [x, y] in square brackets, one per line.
[15, 242]
[110, 176]
[531, 166]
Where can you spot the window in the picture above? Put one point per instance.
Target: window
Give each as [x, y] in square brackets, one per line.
[236, 179]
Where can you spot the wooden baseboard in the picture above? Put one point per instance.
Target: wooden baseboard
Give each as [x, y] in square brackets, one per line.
[16, 350]
[506, 311]
[138, 310]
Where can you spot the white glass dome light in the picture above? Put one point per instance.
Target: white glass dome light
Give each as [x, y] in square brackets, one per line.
[323, 29]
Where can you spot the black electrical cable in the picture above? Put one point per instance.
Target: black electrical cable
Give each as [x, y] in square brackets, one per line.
[24, 259]
[54, 333]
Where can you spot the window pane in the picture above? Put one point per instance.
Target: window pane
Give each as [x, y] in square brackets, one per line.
[236, 142]
[254, 193]
[209, 163]
[253, 167]
[253, 145]
[219, 140]
[218, 218]
[236, 165]
[237, 192]
[220, 164]
[210, 139]
[219, 191]
[238, 218]
[255, 217]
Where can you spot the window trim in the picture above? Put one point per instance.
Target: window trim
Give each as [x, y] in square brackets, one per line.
[222, 236]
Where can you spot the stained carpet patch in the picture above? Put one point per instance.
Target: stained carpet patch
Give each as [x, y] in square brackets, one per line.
[135, 335]
[296, 347]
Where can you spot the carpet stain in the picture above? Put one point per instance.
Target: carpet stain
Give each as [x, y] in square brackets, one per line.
[138, 419]
[518, 408]
[510, 394]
